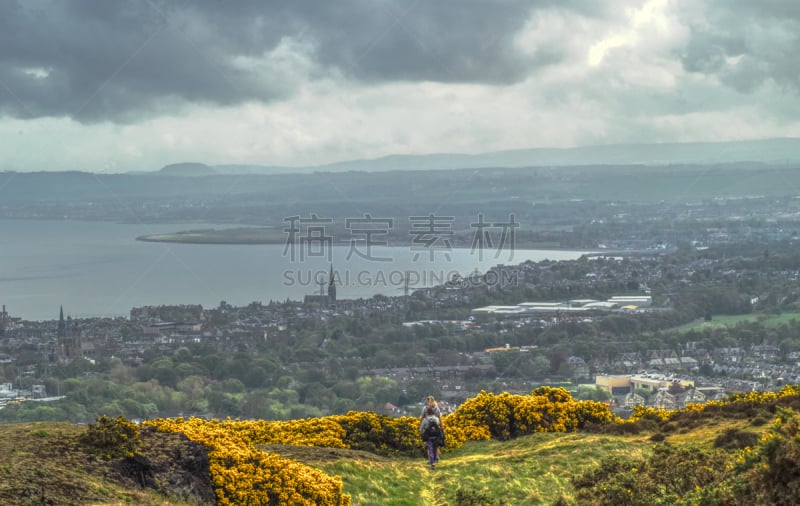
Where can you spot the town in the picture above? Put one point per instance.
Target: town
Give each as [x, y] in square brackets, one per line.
[635, 329]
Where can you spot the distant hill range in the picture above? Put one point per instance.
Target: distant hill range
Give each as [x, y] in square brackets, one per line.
[633, 172]
[187, 169]
[767, 151]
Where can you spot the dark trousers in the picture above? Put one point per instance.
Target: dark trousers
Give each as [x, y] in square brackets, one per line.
[431, 447]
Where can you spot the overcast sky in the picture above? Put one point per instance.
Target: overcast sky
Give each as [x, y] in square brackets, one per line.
[112, 86]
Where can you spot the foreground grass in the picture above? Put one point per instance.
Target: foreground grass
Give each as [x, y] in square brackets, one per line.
[531, 470]
[704, 435]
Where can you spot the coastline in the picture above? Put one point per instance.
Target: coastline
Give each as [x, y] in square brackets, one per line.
[271, 236]
[242, 235]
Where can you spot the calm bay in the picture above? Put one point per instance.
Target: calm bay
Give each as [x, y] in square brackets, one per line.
[100, 269]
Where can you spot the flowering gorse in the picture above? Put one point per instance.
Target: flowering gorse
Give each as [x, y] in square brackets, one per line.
[242, 473]
[505, 416]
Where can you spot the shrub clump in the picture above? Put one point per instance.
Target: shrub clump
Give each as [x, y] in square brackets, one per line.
[743, 470]
[735, 439]
[506, 416]
[672, 475]
[771, 469]
[111, 438]
[472, 497]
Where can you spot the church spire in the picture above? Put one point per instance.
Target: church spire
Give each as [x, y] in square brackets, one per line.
[331, 287]
[3, 320]
[62, 327]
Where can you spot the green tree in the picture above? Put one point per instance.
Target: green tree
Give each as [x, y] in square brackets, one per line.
[421, 387]
[589, 393]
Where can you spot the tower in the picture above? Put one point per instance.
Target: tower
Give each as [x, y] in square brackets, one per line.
[68, 339]
[62, 327]
[331, 288]
[325, 298]
[3, 320]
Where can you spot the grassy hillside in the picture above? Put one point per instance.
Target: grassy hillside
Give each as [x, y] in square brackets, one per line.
[46, 463]
[533, 469]
[529, 470]
[42, 464]
[723, 453]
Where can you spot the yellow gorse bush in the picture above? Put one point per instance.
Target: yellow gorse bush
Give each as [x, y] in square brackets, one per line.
[244, 474]
[504, 416]
[736, 400]
[646, 412]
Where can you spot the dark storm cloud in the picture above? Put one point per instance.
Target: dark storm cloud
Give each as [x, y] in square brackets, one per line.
[708, 52]
[97, 60]
[91, 61]
[462, 41]
[748, 43]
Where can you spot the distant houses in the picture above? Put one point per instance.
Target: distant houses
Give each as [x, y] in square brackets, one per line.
[662, 391]
[577, 307]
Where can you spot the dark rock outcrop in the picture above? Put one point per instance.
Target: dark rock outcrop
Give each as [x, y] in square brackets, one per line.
[171, 464]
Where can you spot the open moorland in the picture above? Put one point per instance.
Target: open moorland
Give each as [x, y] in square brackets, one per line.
[500, 451]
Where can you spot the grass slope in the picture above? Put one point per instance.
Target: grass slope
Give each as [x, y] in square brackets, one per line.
[530, 470]
[41, 463]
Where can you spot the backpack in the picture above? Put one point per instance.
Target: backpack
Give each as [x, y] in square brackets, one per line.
[433, 432]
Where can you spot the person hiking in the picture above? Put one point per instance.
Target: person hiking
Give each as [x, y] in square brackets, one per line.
[430, 428]
[430, 402]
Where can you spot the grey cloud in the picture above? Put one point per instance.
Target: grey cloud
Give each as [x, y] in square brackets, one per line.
[96, 60]
[707, 52]
[66, 59]
[775, 9]
[764, 36]
[441, 41]
[747, 75]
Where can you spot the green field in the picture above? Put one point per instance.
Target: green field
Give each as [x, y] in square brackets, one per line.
[731, 320]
